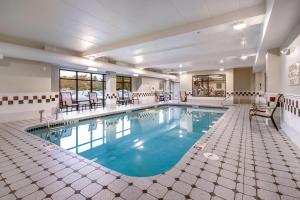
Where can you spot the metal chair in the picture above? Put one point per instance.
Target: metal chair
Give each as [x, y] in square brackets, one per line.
[67, 101]
[265, 111]
[94, 101]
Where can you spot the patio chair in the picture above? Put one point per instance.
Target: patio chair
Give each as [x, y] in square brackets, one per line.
[265, 111]
[94, 101]
[134, 98]
[127, 97]
[67, 101]
[120, 99]
[166, 96]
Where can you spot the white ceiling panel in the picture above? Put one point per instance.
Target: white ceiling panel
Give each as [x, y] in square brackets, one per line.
[83, 25]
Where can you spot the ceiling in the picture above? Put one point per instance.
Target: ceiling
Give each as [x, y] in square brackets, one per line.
[169, 35]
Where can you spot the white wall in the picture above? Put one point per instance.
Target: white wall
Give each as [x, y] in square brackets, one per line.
[260, 81]
[20, 81]
[291, 118]
[186, 79]
[273, 71]
[186, 85]
[145, 84]
[24, 76]
[286, 61]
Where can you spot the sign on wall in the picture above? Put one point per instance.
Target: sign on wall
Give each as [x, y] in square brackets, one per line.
[294, 74]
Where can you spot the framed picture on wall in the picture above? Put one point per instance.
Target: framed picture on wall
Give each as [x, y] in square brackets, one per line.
[211, 85]
[294, 74]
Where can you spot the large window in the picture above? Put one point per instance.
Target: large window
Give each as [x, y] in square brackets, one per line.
[213, 85]
[81, 83]
[123, 86]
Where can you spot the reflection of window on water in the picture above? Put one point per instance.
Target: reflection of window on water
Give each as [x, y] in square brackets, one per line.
[88, 136]
[213, 85]
[123, 127]
[161, 116]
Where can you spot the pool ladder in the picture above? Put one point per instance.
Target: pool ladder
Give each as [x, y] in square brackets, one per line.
[43, 115]
[226, 98]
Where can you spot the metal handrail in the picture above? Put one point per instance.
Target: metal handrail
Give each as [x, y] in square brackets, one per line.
[227, 97]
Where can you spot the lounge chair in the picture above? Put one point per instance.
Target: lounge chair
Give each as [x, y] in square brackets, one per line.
[67, 101]
[94, 101]
[265, 111]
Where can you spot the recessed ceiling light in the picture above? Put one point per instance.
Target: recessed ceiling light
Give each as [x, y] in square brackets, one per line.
[138, 59]
[92, 57]
[239, 26]
[180, 66]
[244, 57]
[221, 61]
[138, 51]
[221, 69]
[243, 42]
[136, 75]
[94, 69]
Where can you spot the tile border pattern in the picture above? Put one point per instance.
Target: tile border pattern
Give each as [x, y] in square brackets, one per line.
[27, 99]
[292, 104]
[236, 93]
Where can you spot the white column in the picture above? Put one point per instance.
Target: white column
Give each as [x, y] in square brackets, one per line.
[110, 90]
[167, 86]
[273, 71]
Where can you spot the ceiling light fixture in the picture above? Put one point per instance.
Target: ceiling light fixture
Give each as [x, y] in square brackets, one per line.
[180, 66]
[94, 69]
[92, 57]
[297, 64]
[135, 75]
[138, 59]
[221, 69]
[243, 42]
[244, 57]
[221, 61]
[285, 51]
[239, 26]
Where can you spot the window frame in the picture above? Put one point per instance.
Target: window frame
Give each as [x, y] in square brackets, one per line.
[123, 83]
[90, 80]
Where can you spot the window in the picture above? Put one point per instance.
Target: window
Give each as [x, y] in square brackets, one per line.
[123, 86]
[213, 85]
[68, 82]
[81, 83]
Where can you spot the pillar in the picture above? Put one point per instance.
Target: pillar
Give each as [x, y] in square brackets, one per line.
[273, 71]
[166, 86]
[110, 89]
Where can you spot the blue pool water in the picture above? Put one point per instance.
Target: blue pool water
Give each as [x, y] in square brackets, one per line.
[139, 143]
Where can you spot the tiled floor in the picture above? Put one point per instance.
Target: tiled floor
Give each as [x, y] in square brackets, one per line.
[257, 163]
